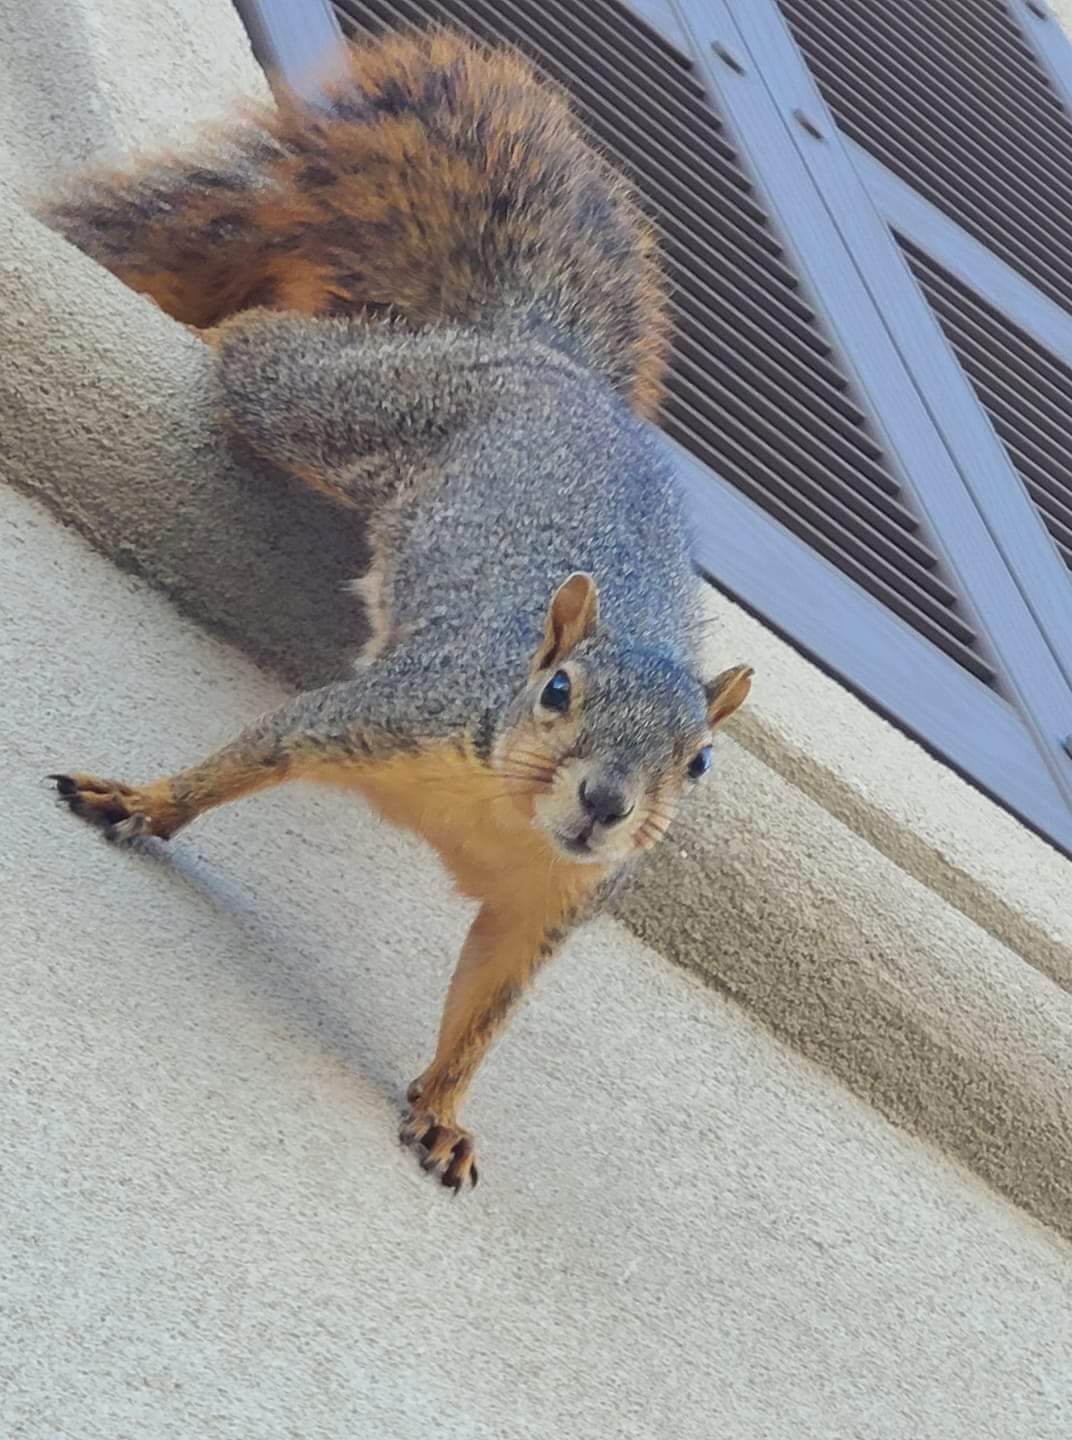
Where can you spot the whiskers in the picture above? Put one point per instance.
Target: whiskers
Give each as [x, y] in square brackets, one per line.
[528, 765]
[652, 828]
[524, 774]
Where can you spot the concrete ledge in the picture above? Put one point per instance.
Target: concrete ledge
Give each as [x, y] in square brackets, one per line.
[940, 1026]
[86, 80]
[107, 414]
[682, 1227]
[886, 788]
[938, 1022]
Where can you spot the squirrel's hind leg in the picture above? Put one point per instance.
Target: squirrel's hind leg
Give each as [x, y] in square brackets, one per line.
[359, 411]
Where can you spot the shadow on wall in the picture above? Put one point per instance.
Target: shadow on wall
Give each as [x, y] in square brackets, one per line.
[115, 431]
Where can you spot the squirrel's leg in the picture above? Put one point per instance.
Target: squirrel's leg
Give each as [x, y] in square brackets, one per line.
[322, 734]
[504, 950]
[353, 409]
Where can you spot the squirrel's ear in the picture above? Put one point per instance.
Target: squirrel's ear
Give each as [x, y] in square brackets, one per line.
[727, 692]
[571, 618]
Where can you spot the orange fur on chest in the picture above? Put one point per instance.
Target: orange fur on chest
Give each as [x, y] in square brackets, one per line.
[480, 825]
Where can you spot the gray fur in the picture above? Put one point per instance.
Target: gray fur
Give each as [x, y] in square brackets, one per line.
[493, 468]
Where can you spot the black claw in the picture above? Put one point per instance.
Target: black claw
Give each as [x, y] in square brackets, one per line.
[64, 784]
[430, 1139]
[474, 1176]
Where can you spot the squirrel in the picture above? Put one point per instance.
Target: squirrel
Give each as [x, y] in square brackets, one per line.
[432, 300]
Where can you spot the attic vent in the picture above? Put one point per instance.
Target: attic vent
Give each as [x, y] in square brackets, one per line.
[756, 391]
[949, 95]
[1026, 391]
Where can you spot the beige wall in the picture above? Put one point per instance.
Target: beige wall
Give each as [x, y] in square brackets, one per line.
[1062, 9]
[699, 1207]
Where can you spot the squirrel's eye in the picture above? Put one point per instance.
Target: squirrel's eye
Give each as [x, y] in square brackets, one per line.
[700, 763]
[556, 693]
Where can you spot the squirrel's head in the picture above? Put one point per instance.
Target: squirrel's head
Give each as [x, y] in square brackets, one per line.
[606, 738]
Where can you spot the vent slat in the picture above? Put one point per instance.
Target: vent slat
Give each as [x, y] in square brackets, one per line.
[1054, 499]
[915, 156]
[715, 306]
[897, 88]
[950, 96]
[717, 391]
[832, 519]
[620, 21]
[1037, 365]
[1057, 519]
[994, 71]
[958, 57]
[755, 388]
[1002, 376]
[622, 83]
[781, 389]
[1025, 391]
[886, 584]
[1001, 36]
[1010, 372]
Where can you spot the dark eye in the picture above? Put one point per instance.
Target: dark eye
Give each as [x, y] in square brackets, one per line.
[700, 763]
[556, 693]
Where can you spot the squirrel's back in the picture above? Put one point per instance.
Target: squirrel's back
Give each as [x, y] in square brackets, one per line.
[443, 183]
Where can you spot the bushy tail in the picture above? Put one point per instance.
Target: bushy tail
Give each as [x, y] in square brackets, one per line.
[445, 182]
[182, 230]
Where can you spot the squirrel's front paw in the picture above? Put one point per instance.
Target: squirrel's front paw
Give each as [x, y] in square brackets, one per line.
[121, 811]
[443, 1149]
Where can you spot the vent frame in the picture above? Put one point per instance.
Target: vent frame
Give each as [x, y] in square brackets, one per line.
[999, 550]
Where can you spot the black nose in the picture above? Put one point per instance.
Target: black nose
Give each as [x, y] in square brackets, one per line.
[606, 802]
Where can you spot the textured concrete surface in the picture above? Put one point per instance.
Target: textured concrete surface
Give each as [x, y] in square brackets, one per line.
[891, 793]
[867, 971]
[913, 1002]
[682, 1227]
[107, 413]
[1062, 9]
[89, 79]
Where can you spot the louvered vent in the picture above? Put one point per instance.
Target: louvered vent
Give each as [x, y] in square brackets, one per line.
[755, 391]
[950, 96]
[1026, 391]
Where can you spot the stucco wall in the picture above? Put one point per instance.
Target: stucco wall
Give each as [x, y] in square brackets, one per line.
[92, 79]
[682, 1226]
[855, 897]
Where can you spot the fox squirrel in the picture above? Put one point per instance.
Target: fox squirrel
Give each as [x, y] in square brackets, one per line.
[432, 300]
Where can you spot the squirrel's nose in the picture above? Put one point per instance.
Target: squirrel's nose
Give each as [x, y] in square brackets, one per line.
[606, 802]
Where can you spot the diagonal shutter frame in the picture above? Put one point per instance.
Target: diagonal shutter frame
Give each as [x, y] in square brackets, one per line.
[998, 545]
[964, 141]
[291, 38]
[803, 506]
[956, 116]
[950, 96]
